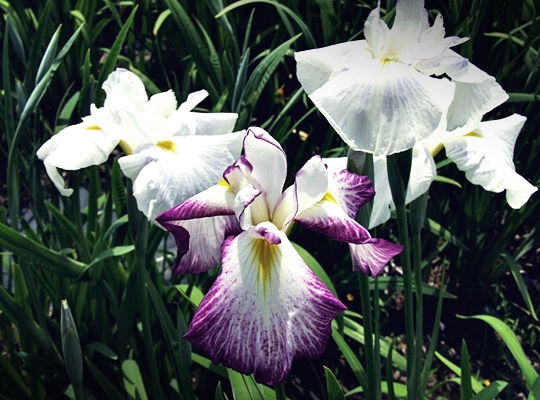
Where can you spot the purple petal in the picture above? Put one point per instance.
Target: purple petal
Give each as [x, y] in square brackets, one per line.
[351, 191]
[266, 309]
[199, 242]
[371, 257]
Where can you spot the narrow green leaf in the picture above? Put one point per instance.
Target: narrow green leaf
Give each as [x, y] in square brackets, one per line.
[303, 27]
[444, 179]
[67, 111]
[515, 269]
[350, 356]
[522, 97]
[219, 392]
[209, 365]
[534, 394]
[6, 78]
[9, 374]
[332, 386]
[509, 337]
[118, 190]
[112, 57]
[112, 252]
[49, 56]
[106, 385]
[475, 384]
[465, 392]
[38, 254]
[243, 387]
[490, 392]
[102, 349]
[159, 21]
[438, 230]
[17, 43]
[195, 297]
[133, 380]
[240, 81]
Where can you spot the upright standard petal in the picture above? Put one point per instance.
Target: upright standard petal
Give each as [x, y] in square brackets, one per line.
[125, 91]
[269, 164]
[486, 157]
[383, 107]
[266, 309]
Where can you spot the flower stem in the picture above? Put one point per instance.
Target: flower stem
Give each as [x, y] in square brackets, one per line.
[280, 391]
[372, 359]
[401, 216]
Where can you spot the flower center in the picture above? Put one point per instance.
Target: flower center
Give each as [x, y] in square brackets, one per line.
[265, 253]
[166, 145]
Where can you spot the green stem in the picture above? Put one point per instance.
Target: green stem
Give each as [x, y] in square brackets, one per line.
[280, 391]
[417, 269]
[373, 390]
[401, 216]
[140, 242]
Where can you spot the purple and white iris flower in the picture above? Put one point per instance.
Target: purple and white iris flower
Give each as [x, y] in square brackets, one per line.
[379, 94]
[267, 307]
[171, 154]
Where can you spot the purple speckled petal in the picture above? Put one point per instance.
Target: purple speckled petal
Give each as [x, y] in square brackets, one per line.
[199, 242]
[351, 191]
[371, 256]
[266, 309]
[269, 163]
[329, 219]
[216, 200]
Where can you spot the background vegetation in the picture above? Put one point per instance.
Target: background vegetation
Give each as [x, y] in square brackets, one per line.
[119, 333]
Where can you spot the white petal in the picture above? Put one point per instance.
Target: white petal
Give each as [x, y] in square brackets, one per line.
[411, 19]
[193, 100]
[125, 91]
[57, 179]
[472, 101]
[382, 202]
[335, 164]
[78, 146]
[423, 172]
[316, 67]
[265, 309]
[383, 108]
[486, 158]
[267, 157]
[162, 104]
[163, 178]
[376, 31]
[243, 206]
[211, 123]
[200, 249]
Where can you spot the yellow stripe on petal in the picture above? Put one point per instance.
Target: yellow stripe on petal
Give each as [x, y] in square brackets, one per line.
[328, 197]
[166, 145]
[473, 134]
[264, 256]
[125, 147]
[223, 183]
[92, 128]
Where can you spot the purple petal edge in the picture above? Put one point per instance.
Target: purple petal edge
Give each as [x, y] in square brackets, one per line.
[371, 256]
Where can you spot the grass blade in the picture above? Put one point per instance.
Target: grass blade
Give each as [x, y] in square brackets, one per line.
[332, 386]
[515, 270]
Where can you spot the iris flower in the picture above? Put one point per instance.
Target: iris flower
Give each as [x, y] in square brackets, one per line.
[171, 154]
[379, 93]
[483, 150]
[267, 308]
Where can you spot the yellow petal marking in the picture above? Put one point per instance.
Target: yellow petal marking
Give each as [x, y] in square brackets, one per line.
[92, 128]
[166, 145]
[328, 197]
[264, 255]
[125, 147]
[224, 183]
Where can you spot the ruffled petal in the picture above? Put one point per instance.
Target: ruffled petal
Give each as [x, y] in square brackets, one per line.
[212, 123]
[57, 179]
[371, 256]
[125, 91]
[329, 219]
[472, 101]
[266, 230]
[166, 175]
[280, 310]
[382, 202]
[350, 191]
[199, 241]
[335, 164]
[317, 66]
[486, 157]
[383, 107]
[78, 146]
[423, 172]
[162, 104]
[411, 19]
[269, 163]
[376, 31]
[243, 206]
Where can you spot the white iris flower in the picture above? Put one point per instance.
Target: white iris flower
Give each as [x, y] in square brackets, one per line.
[378, 93]
[171, 154]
